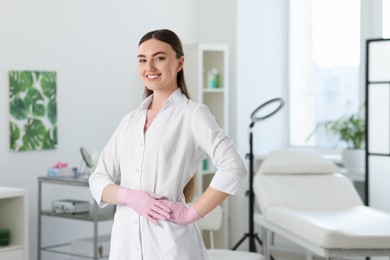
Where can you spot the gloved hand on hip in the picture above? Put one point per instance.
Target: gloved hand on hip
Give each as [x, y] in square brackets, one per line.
[180, 213]
[144, 203]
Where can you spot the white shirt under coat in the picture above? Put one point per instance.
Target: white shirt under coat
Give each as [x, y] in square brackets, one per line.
[162, 161]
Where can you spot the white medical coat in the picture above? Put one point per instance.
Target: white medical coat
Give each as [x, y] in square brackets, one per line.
[162, 161]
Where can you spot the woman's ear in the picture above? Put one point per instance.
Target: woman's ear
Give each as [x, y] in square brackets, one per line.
[180, 64]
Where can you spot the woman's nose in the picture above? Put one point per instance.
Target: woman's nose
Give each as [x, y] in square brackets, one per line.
[150, 65]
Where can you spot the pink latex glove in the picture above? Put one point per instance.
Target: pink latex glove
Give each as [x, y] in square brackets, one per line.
[180, 214]
[144, 203]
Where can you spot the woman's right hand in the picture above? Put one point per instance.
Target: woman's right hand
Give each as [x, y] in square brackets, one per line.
[144, 203]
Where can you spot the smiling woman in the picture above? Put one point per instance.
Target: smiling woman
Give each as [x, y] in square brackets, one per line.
[156, 150]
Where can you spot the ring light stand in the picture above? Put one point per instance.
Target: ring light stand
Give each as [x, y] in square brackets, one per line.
[254, 119]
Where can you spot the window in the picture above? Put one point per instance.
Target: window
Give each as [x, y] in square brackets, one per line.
[324, 60]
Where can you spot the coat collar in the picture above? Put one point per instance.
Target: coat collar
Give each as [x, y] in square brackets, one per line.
[176, 98]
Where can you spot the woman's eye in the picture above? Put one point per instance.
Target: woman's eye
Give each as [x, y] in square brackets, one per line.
[160, 58]
[142, 61]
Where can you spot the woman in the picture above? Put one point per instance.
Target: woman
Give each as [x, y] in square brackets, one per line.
[156, 151]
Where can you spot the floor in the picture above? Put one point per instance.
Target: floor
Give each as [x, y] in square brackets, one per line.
[289, 256]
[286, 256]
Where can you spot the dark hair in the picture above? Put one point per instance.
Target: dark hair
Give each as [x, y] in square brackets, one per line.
[172, 39]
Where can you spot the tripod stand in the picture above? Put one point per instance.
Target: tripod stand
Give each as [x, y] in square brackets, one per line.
[251, 235]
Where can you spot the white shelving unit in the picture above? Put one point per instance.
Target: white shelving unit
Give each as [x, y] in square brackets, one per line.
[200, 59]
[13, 216]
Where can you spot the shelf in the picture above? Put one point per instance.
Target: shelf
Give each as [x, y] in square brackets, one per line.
[94, 216]
[6, 192]
[213, 90]
[66, 249]
[208, 172]
[80, 180]
[361, 177]
[85, 216]
[11, 247]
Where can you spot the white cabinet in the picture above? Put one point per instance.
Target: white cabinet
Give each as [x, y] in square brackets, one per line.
[13, 216]
[206, 69]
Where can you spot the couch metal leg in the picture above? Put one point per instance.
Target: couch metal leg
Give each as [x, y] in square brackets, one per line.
[309, 256]
[267, 236]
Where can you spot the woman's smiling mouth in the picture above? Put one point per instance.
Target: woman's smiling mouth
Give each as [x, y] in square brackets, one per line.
[152, 76]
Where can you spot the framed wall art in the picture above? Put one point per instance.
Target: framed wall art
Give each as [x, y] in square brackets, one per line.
[33, 110]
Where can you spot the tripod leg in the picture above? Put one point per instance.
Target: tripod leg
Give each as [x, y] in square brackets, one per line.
[252, 244]
[258, 240]
[240, 242]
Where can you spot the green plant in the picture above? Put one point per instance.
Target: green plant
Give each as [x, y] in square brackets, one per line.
[350, 129]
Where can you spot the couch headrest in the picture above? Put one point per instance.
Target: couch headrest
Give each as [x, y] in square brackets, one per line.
[296, 161]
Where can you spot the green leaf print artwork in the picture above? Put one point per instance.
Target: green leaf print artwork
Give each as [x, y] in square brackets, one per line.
[33, 110]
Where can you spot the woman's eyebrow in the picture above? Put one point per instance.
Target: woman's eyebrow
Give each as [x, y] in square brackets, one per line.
[154, 54]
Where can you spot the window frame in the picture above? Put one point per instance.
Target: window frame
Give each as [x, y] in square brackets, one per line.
[370, 27]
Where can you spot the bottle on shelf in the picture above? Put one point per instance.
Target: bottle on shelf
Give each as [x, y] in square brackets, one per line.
[213, 78]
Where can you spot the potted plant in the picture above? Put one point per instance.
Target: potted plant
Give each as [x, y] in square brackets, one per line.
[350, 129]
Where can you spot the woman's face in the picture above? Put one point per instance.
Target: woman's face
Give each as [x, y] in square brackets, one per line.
[158, 65]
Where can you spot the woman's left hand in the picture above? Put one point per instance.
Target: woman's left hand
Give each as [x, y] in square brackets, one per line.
[180, 213]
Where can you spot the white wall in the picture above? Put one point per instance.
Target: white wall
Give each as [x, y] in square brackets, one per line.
[261, 75]
[92, 46]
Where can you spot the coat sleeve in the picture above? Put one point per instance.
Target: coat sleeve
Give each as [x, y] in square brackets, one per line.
[107, 170]
[210, 137]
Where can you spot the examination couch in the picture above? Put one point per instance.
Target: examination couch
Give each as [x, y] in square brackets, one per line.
[302, 197]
